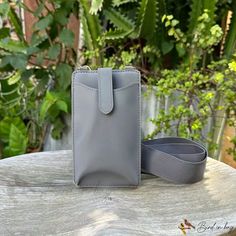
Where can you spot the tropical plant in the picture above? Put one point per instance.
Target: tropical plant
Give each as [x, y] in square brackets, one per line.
[177, 53]
[35, 74]
[125, 25]
[179, 46]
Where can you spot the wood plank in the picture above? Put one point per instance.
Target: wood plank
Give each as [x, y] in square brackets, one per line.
[38, 197]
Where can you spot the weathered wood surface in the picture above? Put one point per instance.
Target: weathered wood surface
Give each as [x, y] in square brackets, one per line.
[37, 197]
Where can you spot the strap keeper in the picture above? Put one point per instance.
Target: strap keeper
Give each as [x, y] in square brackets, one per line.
[105, 90]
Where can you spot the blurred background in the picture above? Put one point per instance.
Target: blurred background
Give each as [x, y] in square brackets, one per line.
[185, 51]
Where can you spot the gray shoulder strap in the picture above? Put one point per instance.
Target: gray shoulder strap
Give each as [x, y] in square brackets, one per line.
[176, 159]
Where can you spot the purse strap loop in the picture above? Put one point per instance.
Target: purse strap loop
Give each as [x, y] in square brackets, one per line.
[105, 90]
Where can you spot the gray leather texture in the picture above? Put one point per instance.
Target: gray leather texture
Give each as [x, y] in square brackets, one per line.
[106, 127]
[178, 160]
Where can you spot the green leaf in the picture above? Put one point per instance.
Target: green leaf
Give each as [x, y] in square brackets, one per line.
[9, 94]
[53, 113]
[87, 37]
[196, 11]
[57, 130]
[26, 74]
[37, 39]
[44, 22]
[180, 49]
[14, 78]
[91, 25]
[119, 20]
[68, 5]
[96, 5]
[63, 73]
[32, 50]
[232, 66]
[4, 9]
[48, 102]
[4, 32]
[210, 5]
[117, 3]
[230, 43]
[13, 45]
[39, 58]
[16, 22]
[53, 103]
[67, 37]
[62, 106]
[39, 9]
[166, 47]
[5, 126]
[17, 141]
[117, 34]
[54, 51]
[18, 61]
[61, 16]
[147, 19]
[197, 8]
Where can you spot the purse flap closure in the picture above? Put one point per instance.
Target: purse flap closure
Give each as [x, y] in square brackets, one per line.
[105, 90]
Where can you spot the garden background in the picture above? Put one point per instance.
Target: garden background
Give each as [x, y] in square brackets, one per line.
[185, 51]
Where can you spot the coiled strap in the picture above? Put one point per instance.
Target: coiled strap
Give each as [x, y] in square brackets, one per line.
[178, 160]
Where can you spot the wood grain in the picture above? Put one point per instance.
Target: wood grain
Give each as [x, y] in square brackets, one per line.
[37, 197]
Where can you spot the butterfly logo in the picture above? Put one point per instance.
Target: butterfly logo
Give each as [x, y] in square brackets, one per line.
[186, 225]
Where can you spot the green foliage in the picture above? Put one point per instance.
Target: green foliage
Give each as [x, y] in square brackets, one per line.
[199, 44]
[13, 134]
[16, 23]
[178, 46]
[35, 76]
[67, 37]
[90, 23]
[54, 104]
[44, 22]
[230, 43]
[4, 9]
[181, 60]
[147, 19]
[13, 45]
[126, 27]
[197, 9]
[197, 93]
[117, 19]
[54, 51]
[117, 3]
[96, 6]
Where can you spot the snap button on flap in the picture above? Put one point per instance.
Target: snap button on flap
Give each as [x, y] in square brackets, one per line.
[105, 90]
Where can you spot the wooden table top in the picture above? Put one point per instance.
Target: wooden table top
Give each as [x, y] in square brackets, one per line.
[38, 197]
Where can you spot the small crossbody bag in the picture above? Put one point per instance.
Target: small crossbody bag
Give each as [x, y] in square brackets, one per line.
[107, 148]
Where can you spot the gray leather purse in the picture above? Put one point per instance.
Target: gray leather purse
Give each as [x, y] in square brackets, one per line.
[106, 127]
[106, 135]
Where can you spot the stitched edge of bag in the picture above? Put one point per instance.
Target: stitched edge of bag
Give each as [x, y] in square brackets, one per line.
[138, 136]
